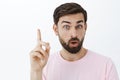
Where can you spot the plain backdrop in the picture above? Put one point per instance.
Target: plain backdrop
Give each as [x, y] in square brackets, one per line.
[19, 20]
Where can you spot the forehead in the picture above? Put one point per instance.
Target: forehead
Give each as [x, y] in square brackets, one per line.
[72, 18]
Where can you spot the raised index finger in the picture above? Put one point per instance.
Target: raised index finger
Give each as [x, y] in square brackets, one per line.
[38, 35]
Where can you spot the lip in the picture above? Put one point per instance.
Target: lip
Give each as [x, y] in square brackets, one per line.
[74, 43]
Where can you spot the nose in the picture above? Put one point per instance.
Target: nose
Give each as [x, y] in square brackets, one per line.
[73, 33]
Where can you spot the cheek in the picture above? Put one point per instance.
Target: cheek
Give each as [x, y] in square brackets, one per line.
[64, 36]
[81, 34]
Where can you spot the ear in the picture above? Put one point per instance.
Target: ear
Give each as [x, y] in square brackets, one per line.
[55, 28]
[85, 26]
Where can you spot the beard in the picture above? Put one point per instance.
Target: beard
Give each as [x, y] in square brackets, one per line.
[72, 41]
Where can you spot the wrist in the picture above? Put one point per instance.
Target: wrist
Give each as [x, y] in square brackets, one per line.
[36, 75]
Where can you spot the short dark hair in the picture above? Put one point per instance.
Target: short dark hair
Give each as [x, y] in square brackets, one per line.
[68, 8]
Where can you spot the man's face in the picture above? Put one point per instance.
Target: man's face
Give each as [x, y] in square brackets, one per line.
[71, 31]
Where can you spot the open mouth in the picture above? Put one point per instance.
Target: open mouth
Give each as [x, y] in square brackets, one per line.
[74, 43]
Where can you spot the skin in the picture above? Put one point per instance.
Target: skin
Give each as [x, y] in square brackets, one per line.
[69, 26]
[38, 58]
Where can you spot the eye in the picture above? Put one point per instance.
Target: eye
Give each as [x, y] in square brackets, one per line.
[79, 26]
[67, 27]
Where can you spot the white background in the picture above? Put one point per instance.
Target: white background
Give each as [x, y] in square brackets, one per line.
[19, 20]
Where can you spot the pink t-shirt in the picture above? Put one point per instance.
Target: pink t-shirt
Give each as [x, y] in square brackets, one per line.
[92, 66]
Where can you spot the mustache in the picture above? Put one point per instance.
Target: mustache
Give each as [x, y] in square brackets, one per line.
[74, 39]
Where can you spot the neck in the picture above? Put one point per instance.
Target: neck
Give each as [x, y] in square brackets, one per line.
[73, 57]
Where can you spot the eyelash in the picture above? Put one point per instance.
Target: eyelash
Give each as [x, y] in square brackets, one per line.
[79, 26]
[68, 27]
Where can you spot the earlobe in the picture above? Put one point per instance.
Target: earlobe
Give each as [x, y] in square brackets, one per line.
[55, 28]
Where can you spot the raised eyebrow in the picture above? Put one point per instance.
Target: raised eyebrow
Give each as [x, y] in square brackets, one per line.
[80, 21]
[66, 22]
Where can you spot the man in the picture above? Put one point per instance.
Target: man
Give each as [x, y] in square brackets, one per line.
[73, 62]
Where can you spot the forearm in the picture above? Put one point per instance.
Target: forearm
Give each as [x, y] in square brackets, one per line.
[35, 75]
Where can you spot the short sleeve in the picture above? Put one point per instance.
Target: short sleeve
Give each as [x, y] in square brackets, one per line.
[111, 72]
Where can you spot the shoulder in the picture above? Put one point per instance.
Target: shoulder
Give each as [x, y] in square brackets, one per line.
[97, 57]
[102, 61]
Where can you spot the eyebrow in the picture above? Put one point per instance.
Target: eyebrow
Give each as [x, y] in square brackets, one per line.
[65, 22]
[80, 21]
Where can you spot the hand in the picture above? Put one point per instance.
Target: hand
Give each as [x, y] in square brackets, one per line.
[39, 56]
